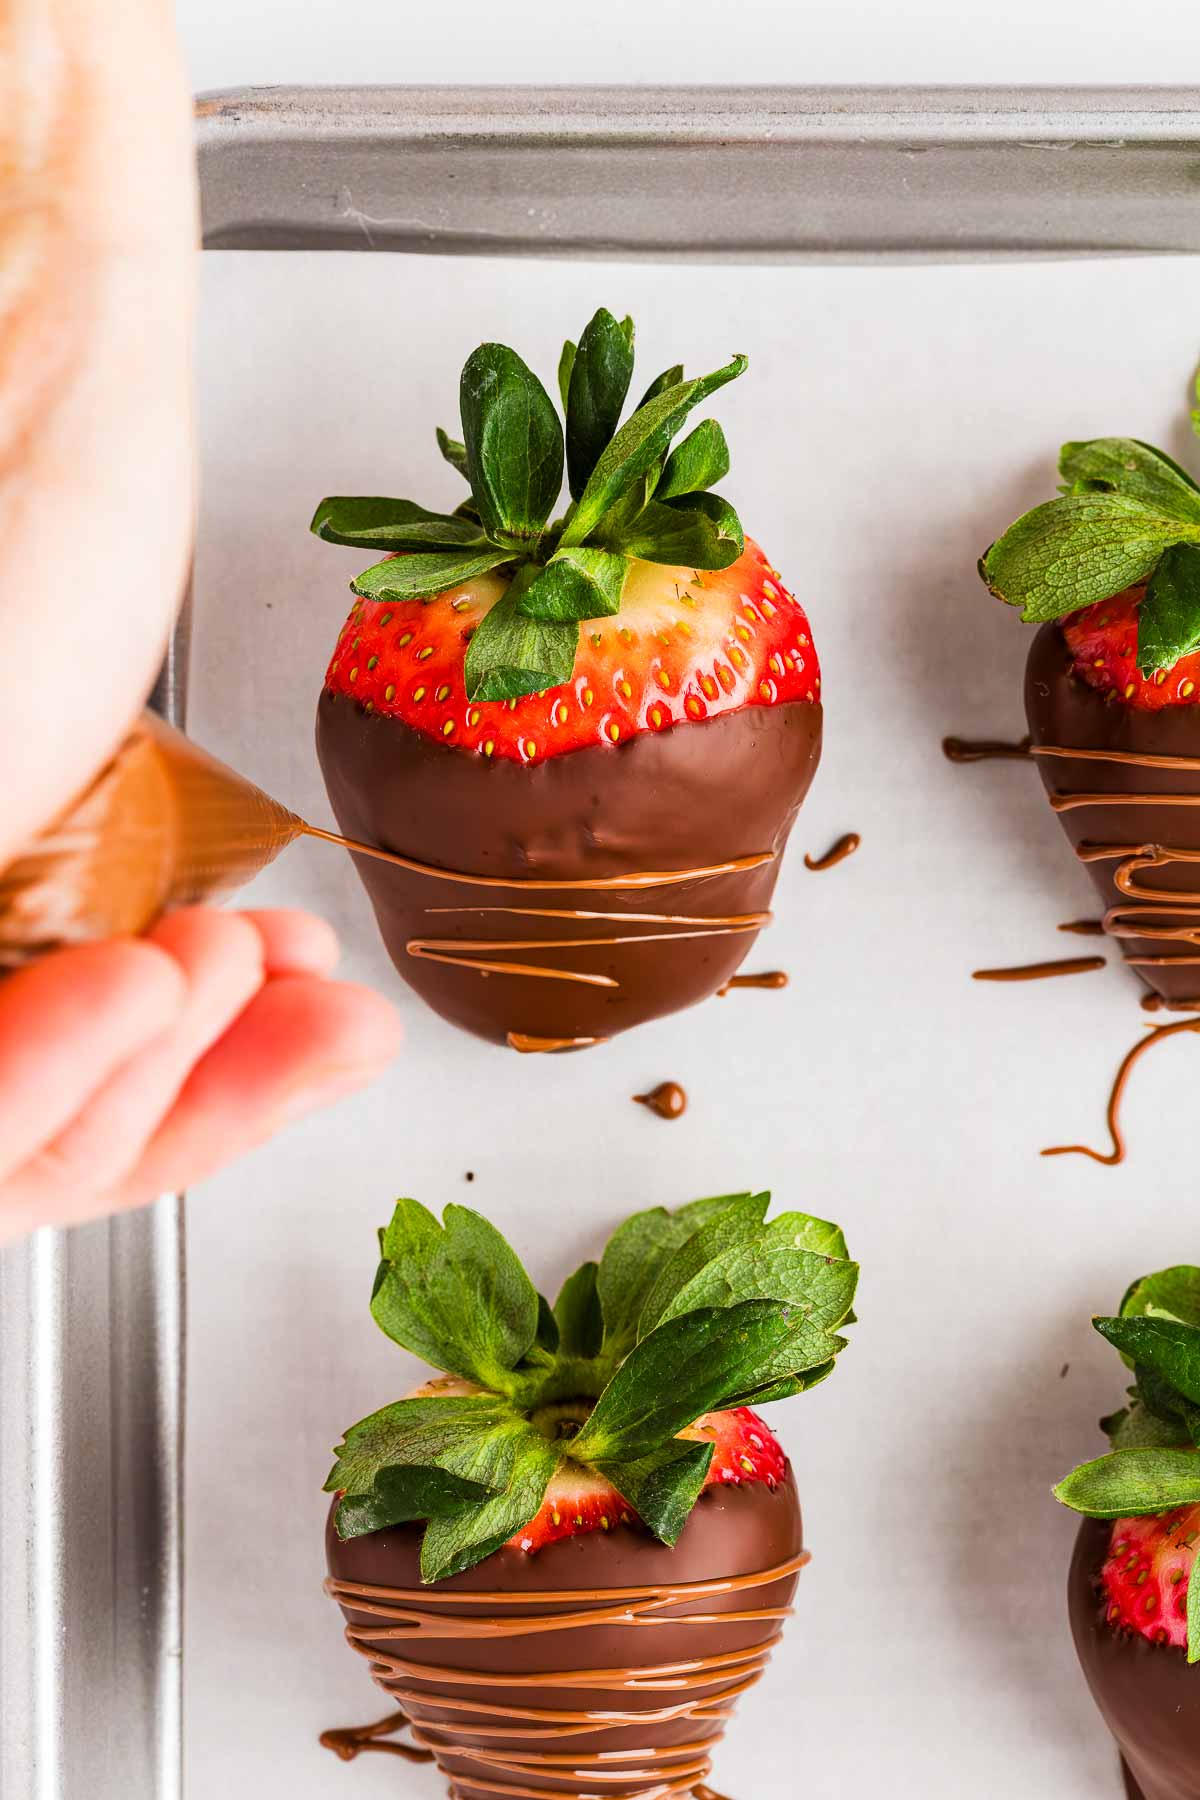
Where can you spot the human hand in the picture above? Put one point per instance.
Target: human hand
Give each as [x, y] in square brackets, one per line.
[137, 1067]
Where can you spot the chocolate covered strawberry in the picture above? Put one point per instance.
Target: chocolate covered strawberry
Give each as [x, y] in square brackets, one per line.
[1111, 572]
[1134, 1595]
[566, 1558]
[586, 737]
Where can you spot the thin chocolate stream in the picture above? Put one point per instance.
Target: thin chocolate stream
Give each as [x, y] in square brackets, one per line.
[668, 1100]
[845, 846]
[768, 978]
[965, 750]
[1117, 1153]
[1042, 971]
[1083, 927]
[703, 1686]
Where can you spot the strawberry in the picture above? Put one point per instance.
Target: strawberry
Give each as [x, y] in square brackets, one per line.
[618, 1406]
[1145, 1575]
[686, 646]
[1103, 642]
[569, 707]
[578, 1500]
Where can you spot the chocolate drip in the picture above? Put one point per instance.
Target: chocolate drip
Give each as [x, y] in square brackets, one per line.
[1042, 971]
[769, 978]
[965, 750]
[1084, 927]
[1117, 1153]
[668, 1100]
[845, 846]
[461, 851]
[349, 1741]
[605, 1662]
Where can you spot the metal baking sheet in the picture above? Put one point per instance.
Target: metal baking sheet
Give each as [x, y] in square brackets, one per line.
[91, 1322]
[703, 172]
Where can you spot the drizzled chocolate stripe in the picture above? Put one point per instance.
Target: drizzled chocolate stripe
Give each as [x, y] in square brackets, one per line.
[541, 1762]
[1148, 906]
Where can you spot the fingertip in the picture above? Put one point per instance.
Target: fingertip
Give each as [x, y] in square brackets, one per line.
[201, 937]
[295, 942]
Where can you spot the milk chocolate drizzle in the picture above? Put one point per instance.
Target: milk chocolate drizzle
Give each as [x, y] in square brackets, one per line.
[1117, 1154]
[965, 750]
[703, 1685]
[668, 1100]
[1083, 927]
[768, 978]
[488, 953]
[845, 846]
[1042, 971]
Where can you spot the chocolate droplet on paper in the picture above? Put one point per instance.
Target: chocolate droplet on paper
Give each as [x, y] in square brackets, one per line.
[668, 1100]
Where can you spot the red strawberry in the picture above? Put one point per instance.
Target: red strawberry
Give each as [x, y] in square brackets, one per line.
[579, 1500]
[1103, 641]
[1145, 1575]
[686, 645]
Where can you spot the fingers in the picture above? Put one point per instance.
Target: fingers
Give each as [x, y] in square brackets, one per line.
[67, 1024]
[221, 957]
[300, 1044]
[295, 943]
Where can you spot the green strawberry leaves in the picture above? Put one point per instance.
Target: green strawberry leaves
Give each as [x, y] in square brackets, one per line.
[639, 444]
[601, 368]
[514, 445]
[700, 461]
[1169, 615]
[455, 1294]
[680, 1371]
[704, 1308]
[1126, 1483]
[512, 654]
[380, 524]
[632, 498]
[1154, 1464]
[577, 1311]
[576, 584]
[455, 1540]
[663, 1487]
[1127, 514]
[417, 577]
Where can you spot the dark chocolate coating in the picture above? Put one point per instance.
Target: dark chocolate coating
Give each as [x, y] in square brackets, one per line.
[1148, 1693]
[733, 1530]
[688, 797]
[1064, 710]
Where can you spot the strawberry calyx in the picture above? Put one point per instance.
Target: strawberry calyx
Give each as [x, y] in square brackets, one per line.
[633, 499]
[1127, 520]
[619, 1405]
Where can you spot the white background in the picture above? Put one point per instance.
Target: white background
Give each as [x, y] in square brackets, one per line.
[892, 421]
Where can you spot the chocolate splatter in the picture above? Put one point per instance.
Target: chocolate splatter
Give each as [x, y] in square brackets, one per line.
[668, 1100]
[966, 750]
[1067, 965]
[845, 846]
[768, 978]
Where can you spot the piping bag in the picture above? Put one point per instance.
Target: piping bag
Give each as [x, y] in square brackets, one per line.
[163, 825]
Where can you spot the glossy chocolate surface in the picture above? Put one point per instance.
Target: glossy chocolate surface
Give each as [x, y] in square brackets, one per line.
[1140, 803]
[564, 962]
[518, 1688]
